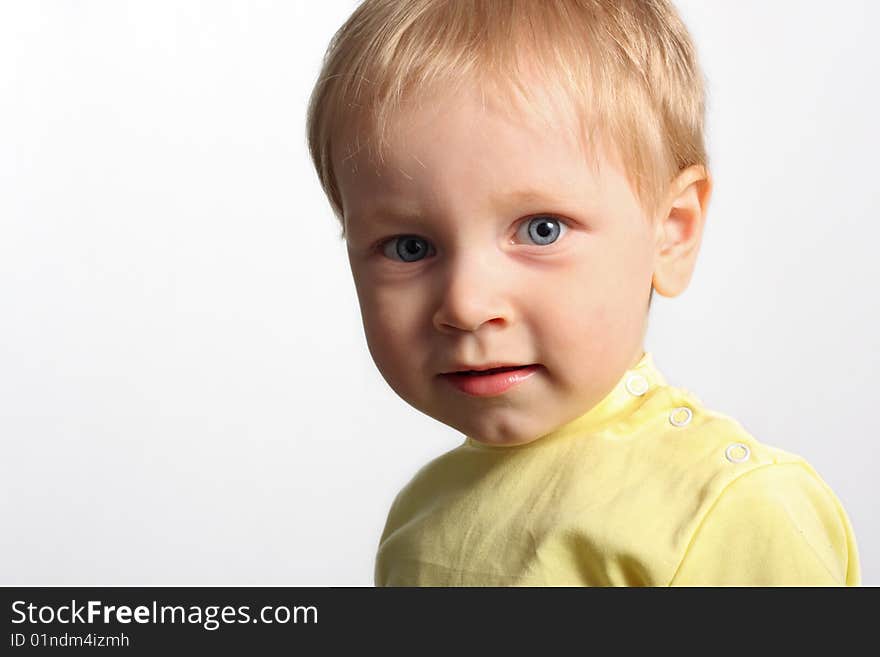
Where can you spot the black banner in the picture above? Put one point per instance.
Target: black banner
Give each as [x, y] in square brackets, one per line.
[253, 620]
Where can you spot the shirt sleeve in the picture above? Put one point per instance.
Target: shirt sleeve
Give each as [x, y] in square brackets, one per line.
[776, 525]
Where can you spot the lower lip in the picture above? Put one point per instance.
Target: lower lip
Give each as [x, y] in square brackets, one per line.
[487, 385]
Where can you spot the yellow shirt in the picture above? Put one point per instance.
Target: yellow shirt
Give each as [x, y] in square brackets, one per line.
[647, 488]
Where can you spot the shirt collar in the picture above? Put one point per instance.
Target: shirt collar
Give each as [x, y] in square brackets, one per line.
[627, 395]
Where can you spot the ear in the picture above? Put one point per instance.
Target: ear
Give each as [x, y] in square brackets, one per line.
[679, 230]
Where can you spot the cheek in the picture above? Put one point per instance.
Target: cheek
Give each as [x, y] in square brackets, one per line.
[592, 308]
[574, 316]
[391, 309]
[391, 320]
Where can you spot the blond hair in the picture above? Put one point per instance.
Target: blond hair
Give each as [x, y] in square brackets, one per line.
[627, 67]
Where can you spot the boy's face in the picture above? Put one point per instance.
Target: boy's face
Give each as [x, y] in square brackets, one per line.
[457, 268]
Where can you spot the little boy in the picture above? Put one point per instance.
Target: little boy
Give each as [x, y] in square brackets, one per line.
[514, 179]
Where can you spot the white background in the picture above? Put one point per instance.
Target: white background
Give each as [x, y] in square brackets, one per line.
[186, 396]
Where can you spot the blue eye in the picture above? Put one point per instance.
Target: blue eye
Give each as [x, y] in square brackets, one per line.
[407, 248]
[544, 229]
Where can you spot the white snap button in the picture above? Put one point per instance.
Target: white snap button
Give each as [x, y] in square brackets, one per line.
[637, 385]
[680, 416]
[737, 453]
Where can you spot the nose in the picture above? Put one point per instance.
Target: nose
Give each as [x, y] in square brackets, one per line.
[473, 293]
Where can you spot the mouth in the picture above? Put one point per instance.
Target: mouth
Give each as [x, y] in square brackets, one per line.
[484, 369]
[492, 370]
[491, 381]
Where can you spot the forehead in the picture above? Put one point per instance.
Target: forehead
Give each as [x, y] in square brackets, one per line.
[540, 111]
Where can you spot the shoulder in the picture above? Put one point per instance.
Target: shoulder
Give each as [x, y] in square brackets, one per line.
[430, 486]
[686, 439]
[774, 525]
[764, 516]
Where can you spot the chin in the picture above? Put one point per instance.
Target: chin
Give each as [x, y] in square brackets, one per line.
[501, 434]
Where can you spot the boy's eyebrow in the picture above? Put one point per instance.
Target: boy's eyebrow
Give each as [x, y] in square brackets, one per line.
[385, 213]
[523, 196]
[388, 212]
